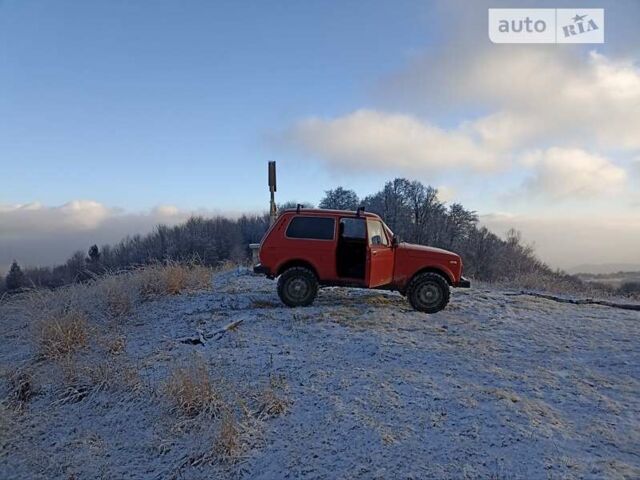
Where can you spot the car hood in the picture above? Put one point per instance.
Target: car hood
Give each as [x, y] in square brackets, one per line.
[423, 249]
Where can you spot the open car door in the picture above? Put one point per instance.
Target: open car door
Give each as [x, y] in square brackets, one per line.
[380, 255]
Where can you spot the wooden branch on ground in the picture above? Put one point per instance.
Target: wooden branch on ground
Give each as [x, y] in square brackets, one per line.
[201, 338]
[220, 333]
[586, 301]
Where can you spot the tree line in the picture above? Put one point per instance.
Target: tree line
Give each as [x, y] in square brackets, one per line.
[411, 209]
[414, 212]
[207, 241]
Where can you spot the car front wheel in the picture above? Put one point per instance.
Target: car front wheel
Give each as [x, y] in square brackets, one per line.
[428, 292]
[297, 287]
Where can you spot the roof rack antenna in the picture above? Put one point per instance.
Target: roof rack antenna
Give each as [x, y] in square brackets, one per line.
[298, 208]
[360, 209]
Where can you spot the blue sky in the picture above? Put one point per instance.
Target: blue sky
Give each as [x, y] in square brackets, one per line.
[139, 103]
[117, 115]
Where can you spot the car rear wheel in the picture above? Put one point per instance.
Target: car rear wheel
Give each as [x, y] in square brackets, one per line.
[428, 292]
[297, 287]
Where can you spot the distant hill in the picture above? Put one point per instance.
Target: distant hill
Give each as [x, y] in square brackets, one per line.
[605, 268]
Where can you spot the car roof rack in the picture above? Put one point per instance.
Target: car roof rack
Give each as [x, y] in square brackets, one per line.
[298, 208]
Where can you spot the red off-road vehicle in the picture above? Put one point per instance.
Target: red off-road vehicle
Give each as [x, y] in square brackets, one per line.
[306, 248]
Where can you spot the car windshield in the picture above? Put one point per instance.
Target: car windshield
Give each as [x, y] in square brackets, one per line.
[389, 232]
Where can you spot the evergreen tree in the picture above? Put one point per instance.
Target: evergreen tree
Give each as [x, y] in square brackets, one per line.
[15, 278]
[93, 263]
[94, 255]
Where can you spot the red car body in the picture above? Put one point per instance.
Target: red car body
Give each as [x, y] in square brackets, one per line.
[388, 264]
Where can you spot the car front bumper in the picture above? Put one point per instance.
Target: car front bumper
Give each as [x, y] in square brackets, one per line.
[464, 283]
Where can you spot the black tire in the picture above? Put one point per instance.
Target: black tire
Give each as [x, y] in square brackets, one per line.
[428, 292]
[297, 287]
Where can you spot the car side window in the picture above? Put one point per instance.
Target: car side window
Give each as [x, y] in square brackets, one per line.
[376, 233]
[353, 228]
[311, 228]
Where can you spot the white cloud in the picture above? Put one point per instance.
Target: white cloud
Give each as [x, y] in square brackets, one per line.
[446, 193]
[565, 241]
[385, 141]
[35, 234]
[561, 173]
[579, 108]
[564, 119]
[83, 214]
[165, 211]
[75, 216]
[534, 94]
[595, 102]
[504, 131]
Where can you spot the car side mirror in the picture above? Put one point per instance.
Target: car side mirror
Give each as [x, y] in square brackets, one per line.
[395, 241]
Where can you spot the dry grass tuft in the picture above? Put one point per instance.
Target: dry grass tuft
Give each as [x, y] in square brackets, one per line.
[116, 294]
[380, 300]
[62, 334]
[198, 277]
[74, 385]
[116, 344]
[119, 294]
[272, 401]
[191, 391]
[22, 388]
[271, 405]
[265, 304]
[175, 279]
[172, 279]
[80, 380]
[129, 378]
[228, 446]
[113, 376]
[151, 281]
[73, 394]
[102, 376]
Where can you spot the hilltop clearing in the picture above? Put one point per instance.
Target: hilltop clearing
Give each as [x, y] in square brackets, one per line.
[357, 386]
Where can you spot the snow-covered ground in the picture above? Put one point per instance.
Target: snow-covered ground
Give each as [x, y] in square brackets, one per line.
[495, 386]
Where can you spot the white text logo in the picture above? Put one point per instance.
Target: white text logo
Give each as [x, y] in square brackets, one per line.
[546, 25]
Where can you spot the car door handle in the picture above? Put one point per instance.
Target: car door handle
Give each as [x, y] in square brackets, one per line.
[374, 252]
